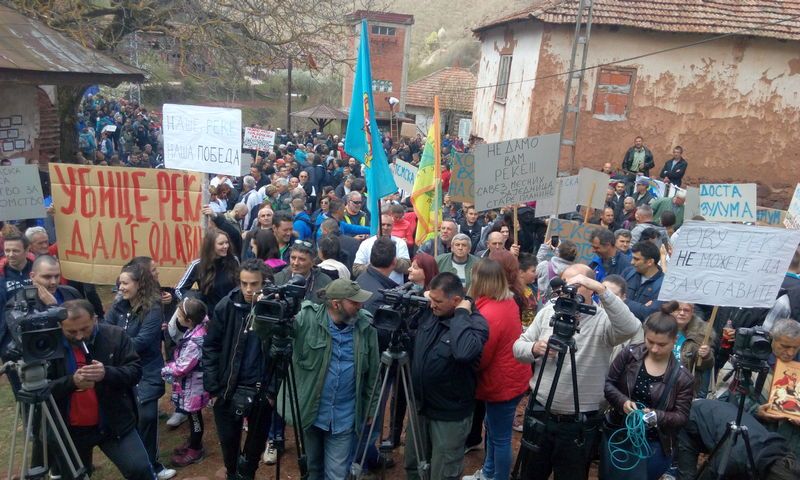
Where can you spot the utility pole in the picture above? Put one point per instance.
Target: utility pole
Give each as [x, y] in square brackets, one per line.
[573, 93]
[289, 97]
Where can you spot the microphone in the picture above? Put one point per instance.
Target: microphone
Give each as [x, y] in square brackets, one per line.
[556, 284]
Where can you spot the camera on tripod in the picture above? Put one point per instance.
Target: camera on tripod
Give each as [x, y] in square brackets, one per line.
[567, 305]
[37, 335]
[752, 345]
[273, 313]
[400, 304]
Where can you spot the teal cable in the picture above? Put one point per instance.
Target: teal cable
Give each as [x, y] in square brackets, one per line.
[628, 446]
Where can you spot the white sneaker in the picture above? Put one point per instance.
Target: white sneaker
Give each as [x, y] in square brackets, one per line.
[177, 419]
[270, 456]
[166, 473]
[476, 476]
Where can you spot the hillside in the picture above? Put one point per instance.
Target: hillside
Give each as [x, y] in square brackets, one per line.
[442, 35]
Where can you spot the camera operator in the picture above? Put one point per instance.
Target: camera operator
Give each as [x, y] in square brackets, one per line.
[708, 421]
[561, 451]
[785, 347]
[301, 262]
[96, 398]
[45, 275]
[235, 363]
[447, 348]
[336, 363]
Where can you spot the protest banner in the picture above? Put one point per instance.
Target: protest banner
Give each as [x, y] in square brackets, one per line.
[592, 186]
[408, 130]
[577, 233]
[404, 174]
[793, 212]
[258, 139]
[21, 193]
[567, 195]
[203, 139]
[728, 265]
[462, 178]
[728, 202]
[515, 171]
[770, 217]
[105, 216]
[691, 207]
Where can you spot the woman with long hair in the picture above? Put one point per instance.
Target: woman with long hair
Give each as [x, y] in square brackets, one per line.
[265, 247]
[214, 272]
[422, 270]
[502, 380]
[648, 377]
[138, 311]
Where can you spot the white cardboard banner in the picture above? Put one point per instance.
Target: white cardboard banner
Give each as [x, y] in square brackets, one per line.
[404, 174]
[793, 212]
[567, 194]
[728, 202]
[202, 139]
[593, 186]
[728, 264]
[21, 193]
[515, 171]
[258, 139]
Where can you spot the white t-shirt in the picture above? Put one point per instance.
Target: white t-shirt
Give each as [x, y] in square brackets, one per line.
[365, 249]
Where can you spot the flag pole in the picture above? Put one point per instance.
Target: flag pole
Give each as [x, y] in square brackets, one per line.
[437, 174]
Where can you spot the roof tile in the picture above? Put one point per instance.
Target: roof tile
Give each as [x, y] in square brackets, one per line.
[455, 87]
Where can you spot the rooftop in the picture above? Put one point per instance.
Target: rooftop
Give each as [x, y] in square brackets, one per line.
[778, 19]
[384, 17]
[34, 53]
[455, 87]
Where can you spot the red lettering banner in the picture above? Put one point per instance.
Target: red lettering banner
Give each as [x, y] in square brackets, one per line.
[107, 215]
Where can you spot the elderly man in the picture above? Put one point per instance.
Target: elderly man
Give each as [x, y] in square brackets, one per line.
[362, 259]
[301, 262]
[459, 260]
[250, 197]
[353, 211]
[447, 230]
[644, 220]
[642, 195]
[674, 205]
[38, 240]
[494, 242]
[566, 444]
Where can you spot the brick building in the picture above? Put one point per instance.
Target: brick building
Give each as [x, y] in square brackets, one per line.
[661, 72]
[389, 47]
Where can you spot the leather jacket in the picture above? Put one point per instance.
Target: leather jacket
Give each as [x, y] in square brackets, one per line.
[619, 387]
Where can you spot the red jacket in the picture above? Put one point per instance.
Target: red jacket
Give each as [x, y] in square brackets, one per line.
[500, 376]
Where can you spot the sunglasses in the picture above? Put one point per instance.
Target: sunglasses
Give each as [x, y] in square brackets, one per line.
[303, 243]
[356, 202]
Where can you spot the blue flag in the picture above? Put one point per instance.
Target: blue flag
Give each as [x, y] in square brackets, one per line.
[363, 140]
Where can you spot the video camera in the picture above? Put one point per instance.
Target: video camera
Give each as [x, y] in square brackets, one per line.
[752, 347]
[273, 313]
[400, 304]
[568, 303]
[37, 335]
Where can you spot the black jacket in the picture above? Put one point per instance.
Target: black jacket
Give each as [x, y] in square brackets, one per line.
[676, 173]
[115, 393]
[445, 362]
[144, 330]
[649, 163]
[224, 345]
[224, 282]
[372, 281]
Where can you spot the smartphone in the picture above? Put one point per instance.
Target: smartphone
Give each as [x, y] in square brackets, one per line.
[554, 241]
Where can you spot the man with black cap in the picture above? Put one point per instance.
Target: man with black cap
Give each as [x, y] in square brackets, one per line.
[336, 362]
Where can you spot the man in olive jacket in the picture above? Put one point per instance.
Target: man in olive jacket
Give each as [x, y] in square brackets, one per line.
[336, 363]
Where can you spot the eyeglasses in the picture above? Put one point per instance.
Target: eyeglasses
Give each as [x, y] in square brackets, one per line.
[303, 243]
[357, 202]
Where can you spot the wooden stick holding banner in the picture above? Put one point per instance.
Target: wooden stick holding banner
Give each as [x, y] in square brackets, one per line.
[707, 335]
[589, 203]
[205, 196]
[437, 173]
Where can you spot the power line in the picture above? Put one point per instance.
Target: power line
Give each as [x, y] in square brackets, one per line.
[636, 57]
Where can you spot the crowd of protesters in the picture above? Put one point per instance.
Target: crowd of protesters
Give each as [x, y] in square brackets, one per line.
[477, 348]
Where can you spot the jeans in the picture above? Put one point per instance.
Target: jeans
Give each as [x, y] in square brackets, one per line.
[328, 454]
[560, 452]
[277, 429]
[499, 422]
[229, 431]
[127, 452]
[442, 445]
[647, 469]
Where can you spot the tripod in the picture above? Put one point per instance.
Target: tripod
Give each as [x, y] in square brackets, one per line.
[281, 366]
[393, 360]
[535, 431]
[38, 412]
[735, 429]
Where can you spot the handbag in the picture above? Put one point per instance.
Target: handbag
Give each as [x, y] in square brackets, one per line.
[243, 399]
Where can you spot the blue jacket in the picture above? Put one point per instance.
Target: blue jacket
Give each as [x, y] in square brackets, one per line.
[303, 226]
[619, 265]
[639, 293]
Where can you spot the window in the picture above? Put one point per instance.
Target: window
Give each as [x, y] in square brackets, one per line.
[612, 95]
[503, 74]
[384, 86]
[381, 30]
